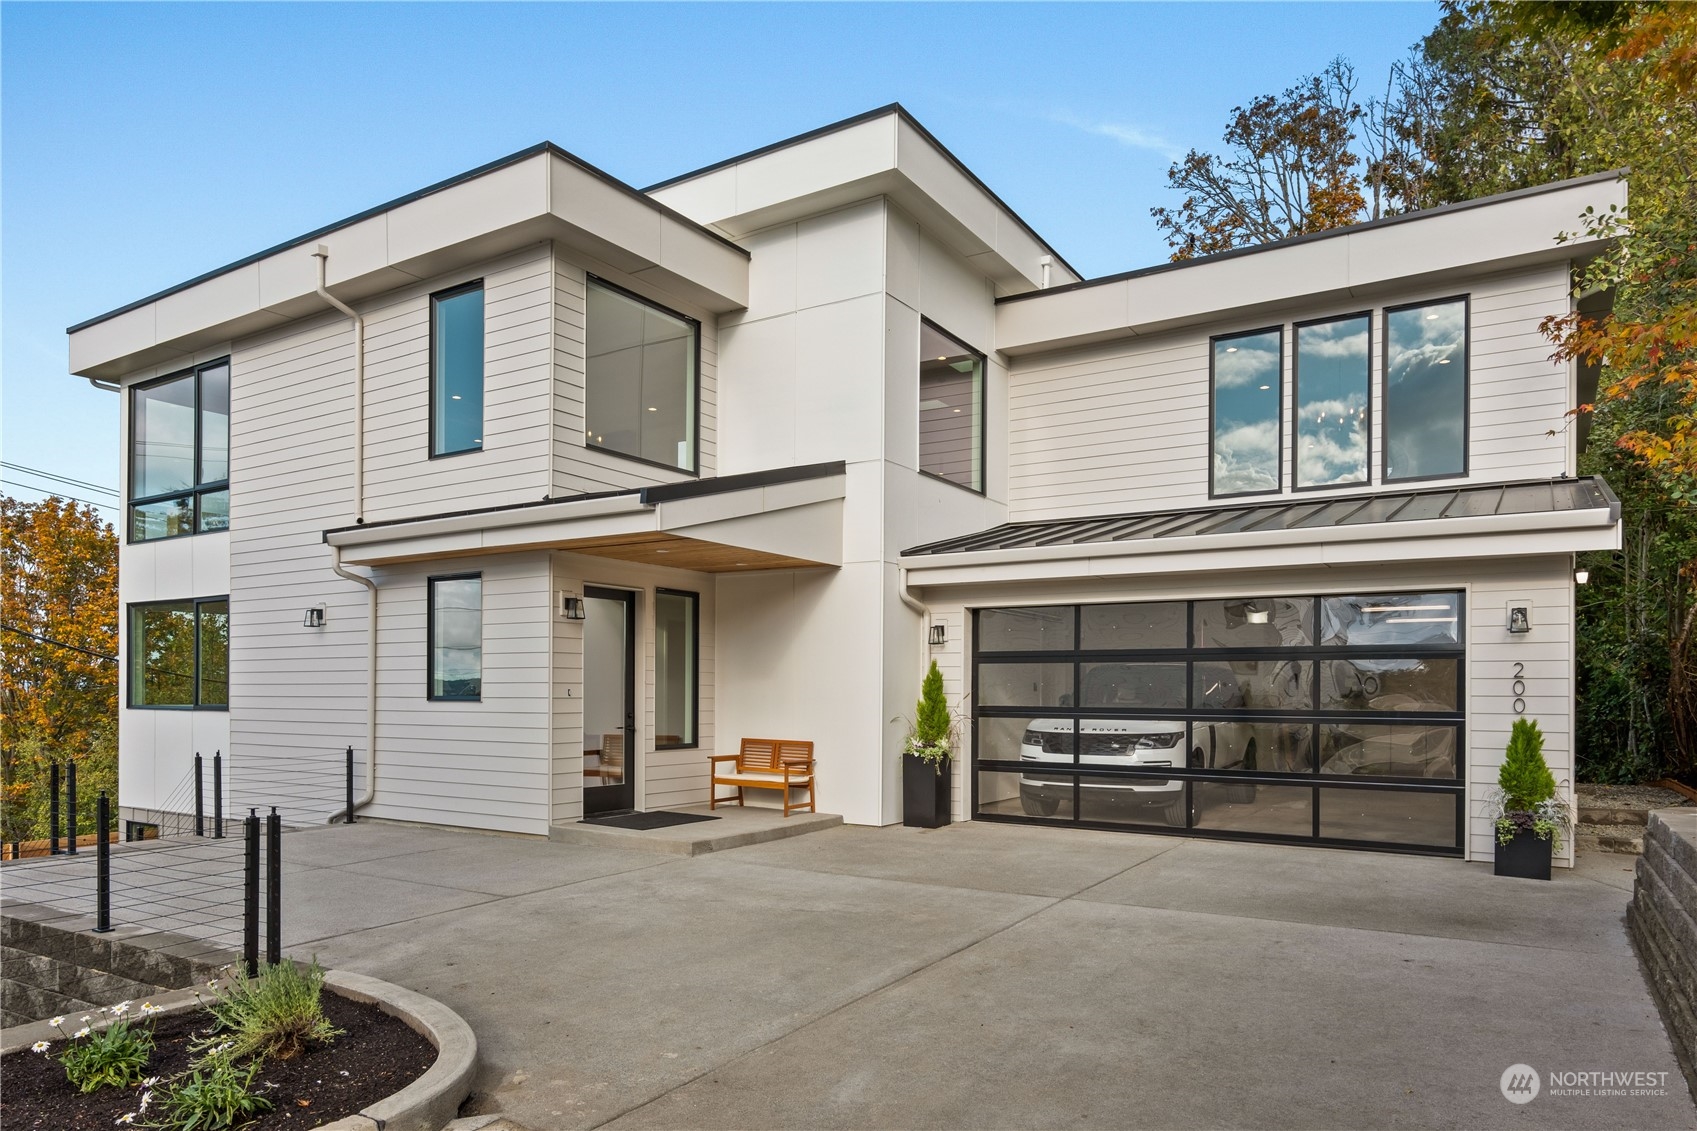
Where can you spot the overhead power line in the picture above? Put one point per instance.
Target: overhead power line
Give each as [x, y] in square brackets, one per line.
[36, 471]
[61, 494]
[60, 643]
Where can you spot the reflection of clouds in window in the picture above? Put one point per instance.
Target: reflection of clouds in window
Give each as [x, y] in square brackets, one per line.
[1332, 373]
[1246, 396]
[1425, 390]
[1246, 361]
[1246, 458]
[456, 637]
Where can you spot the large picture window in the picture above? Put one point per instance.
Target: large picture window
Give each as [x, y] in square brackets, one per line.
[456, 637]
[640, 395]
[180, 454]
[951, 408]
[180, 653]
[677, 667]
[1247, 397]
[1330, 719]
[1331, 368]
[456, 370]
[1426, 390]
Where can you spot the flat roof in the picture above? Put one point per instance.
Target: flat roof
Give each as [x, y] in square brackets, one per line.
[458, 179]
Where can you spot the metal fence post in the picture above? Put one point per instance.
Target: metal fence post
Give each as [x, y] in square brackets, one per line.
[218, 794]
[102, 867]
[71, 806]
[250, 892]
[350, 817]
[53, 810]
[273, 888]
[199, 800]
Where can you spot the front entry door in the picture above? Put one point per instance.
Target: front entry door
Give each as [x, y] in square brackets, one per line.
[609, 702]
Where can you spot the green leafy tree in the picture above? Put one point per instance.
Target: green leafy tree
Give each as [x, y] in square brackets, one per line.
[1524, 778]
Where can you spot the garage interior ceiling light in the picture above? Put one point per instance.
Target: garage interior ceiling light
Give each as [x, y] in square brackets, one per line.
[1406, 609]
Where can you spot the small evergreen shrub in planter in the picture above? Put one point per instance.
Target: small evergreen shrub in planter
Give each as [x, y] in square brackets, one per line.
[926, 756]
[1531, 820]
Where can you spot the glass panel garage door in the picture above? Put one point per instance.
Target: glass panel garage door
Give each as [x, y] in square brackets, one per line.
[1331, 720]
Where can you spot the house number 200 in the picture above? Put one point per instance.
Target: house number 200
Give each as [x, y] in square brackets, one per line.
[1518, 687]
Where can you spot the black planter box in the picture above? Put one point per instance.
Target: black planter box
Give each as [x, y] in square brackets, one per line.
[1526, 857]
[925, 794]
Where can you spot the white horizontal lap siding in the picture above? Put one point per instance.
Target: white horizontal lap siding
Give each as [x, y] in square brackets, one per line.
[481, 764]
[577, 468]
[1124, 426]
[512, 466]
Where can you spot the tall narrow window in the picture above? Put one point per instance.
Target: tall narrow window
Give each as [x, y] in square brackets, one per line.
[677, 664]
[180, 454]
[180, 653]
[1426, 390]
[1332, 379]
[456, 637]
[951, 408]
[1247, 397]
[456, 370]
[640, 395]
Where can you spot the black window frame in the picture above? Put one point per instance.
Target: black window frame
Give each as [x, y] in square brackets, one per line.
[1314, 654]
[694, 671]
[1385, 313]
[430, 425]
[983, 488]
[130, 638]
[694, 470]
[1296, 402]
[430, 637]
[1279, 450]
[199, 489]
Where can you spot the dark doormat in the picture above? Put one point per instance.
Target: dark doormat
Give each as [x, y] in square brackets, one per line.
[656, 820]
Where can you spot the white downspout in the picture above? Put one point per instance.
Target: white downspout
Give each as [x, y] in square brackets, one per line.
[323, 257]
[370, 678]
[322, 254]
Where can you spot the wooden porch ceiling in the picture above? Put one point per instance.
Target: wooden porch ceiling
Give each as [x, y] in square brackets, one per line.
[683, 553]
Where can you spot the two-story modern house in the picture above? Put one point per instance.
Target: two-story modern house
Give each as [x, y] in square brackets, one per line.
[537, 489]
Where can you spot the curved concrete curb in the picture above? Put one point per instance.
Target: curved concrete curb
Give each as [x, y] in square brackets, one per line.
[431, 1101]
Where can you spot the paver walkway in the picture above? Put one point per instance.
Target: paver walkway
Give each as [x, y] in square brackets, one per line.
[996, 976]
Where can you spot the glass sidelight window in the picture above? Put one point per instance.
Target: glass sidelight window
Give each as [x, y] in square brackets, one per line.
[456, 370]
[456, 637]
[1247, 395]
[677, 667]
[951, 408]
[1337, 719]
[180, 454]
[1332, 375]
[180, 653]
[641, 397]
[1426, 390]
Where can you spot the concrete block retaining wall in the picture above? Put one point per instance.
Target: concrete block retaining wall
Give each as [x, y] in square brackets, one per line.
[53, 963]
[1662, 918]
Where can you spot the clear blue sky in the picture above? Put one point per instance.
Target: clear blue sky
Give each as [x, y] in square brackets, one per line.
[143, 144]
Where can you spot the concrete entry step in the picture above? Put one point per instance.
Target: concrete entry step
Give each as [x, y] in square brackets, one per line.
[738, 828]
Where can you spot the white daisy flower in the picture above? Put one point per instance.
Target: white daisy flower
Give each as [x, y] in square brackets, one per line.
[150, 1081]
[40, 1046]
[83, 1032]
[56, 1022]
[128, 1117]
[146, 1098]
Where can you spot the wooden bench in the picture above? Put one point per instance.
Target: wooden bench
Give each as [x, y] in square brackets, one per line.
[765, 763]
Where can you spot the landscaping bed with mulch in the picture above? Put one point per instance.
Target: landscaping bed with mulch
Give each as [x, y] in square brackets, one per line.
[376, 1056]
[1642, 797]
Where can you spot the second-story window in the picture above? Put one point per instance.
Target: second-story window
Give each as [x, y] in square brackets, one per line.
[180, 454]
[951, 408]
[1247, 394]
[1331, 368]
[456, 370]
[1426, 390]
[640, 389]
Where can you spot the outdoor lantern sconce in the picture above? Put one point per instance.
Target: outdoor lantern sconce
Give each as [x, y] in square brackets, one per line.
[939, 634]
[314, 617]
[1581, 576]
[1519, 619]
[571, 607]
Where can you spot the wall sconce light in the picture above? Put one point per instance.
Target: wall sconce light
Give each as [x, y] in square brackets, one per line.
[1519, 619]
[314, 617]
[571, 608]
[939, 634]
[1581, 576]
[1259, 616]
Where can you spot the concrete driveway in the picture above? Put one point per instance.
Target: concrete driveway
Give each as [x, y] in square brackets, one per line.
[997, 976]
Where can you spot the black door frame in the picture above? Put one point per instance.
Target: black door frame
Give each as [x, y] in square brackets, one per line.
[603, 800]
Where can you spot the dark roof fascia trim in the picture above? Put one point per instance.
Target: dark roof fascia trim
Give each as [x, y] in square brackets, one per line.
[1194, 513]
[899, 111]
[695, 489]
[429, 190]
[1314, 237]
[646, 496]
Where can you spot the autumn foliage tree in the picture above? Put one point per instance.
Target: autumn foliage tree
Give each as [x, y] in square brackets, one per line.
[58, 682]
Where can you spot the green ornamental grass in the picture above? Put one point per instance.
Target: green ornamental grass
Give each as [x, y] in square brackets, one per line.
[215, 1094]
[277, 1013]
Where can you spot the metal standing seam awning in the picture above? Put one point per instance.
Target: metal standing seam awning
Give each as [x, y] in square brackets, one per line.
[1471, 520]
[785, 518]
